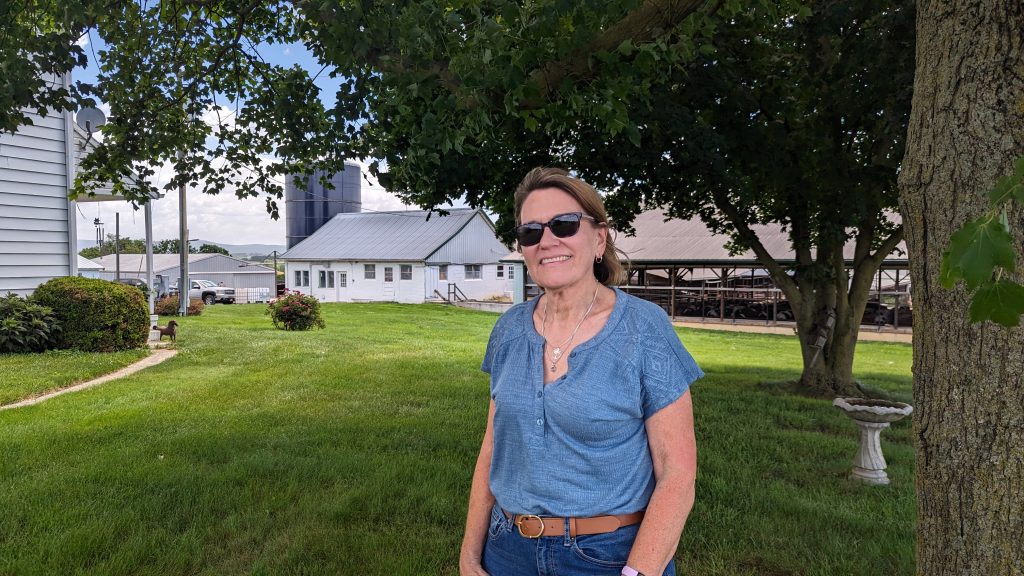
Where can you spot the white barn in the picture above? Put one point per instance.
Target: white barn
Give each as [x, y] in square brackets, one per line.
[401, 257]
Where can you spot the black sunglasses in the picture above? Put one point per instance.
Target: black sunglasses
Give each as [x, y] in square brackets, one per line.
[562, 226]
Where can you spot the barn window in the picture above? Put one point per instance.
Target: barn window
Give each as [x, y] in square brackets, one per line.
[474, 272]
[369, 271]
[389, 274]
[406, 272]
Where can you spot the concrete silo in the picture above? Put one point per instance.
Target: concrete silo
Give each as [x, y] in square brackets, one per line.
[309, 207]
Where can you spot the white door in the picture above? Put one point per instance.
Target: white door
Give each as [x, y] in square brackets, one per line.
[342, 294]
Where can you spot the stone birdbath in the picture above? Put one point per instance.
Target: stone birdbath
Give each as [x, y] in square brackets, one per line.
[871, 416]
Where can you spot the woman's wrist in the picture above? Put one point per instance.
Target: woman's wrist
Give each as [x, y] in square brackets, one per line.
[630, 571]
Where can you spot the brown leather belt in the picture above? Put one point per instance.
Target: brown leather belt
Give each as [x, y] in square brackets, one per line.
[531, 526]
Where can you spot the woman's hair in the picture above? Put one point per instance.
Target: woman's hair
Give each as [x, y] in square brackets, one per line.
[610, 270]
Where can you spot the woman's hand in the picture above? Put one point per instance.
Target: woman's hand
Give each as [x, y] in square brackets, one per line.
[469, 566]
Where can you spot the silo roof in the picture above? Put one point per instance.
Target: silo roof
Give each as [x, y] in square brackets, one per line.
[398, 235]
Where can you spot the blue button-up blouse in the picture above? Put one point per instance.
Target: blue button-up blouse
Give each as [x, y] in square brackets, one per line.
[578, 446]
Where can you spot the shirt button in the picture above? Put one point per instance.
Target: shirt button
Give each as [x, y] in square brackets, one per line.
[539, 394]
[540, 422]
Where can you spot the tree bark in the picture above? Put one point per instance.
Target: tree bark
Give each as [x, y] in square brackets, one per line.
[966, 128]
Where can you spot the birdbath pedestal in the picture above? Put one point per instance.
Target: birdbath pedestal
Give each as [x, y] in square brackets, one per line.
[871, 416]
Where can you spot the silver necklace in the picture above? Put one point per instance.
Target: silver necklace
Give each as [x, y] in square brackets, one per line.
[558, 351]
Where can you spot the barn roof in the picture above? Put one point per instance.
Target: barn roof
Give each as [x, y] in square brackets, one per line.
[401, 235]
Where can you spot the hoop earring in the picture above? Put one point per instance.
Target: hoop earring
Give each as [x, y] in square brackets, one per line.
[599, 259]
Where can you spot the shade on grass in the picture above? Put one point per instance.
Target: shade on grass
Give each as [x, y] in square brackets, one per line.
[27, 375]
[350, 450]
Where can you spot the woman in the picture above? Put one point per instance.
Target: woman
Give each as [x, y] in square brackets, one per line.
[588, 461]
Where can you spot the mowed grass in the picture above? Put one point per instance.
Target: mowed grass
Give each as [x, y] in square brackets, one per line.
[27, 375]
[350, 451]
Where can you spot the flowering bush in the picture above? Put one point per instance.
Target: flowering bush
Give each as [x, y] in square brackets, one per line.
[168, 306]
[295, 311]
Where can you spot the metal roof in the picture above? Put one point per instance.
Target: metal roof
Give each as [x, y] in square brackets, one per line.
[137, 262]
[86, 264]
[690, 242]
[402, 235]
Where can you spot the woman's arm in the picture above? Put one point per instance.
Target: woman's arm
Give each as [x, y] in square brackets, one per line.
[674, 452]
[480, 502]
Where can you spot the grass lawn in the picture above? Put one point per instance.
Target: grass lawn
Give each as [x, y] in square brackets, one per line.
[350, 450]
[29, 375]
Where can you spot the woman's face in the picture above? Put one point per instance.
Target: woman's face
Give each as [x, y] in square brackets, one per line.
[557, 263]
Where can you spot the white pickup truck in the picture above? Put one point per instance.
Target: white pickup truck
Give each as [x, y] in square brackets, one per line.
[208, 292]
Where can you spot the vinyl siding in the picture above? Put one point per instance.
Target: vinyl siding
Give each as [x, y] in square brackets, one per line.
[358, 288]
[34, 244]
[474, 244]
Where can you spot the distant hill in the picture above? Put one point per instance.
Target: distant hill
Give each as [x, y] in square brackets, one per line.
[237, 250]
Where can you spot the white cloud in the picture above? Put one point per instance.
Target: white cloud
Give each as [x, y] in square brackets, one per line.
[221, 218]
[83, 40]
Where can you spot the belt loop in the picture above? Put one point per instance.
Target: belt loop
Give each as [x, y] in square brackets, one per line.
[569, 525]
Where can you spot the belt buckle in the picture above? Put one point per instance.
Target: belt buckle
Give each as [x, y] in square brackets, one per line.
[519, 525]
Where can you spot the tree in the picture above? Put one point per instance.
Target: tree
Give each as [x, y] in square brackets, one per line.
[966, 129]
[213, 249]
[741, 114]
[126, 244]
[186, 85]
[171, 247]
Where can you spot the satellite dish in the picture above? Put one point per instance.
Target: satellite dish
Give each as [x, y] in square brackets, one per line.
[90, 119]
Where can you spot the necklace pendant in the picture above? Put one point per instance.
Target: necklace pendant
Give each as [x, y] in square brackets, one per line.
[552, 367]
[557, 352]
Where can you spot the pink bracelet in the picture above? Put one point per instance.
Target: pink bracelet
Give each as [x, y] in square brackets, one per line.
[630, 571]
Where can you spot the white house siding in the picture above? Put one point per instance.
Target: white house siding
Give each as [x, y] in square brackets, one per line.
[35, 235]
[474, 244]
[357, 288]
[489, 286]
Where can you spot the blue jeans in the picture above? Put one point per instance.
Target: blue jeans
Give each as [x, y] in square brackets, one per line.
[507, 553]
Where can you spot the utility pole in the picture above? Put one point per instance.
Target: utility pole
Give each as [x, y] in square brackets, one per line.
[117, 245]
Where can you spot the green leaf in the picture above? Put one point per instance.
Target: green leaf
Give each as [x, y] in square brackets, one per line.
[1001, 302]
[1001, 192]
[633, 134]
[626, 47]
[978, 248]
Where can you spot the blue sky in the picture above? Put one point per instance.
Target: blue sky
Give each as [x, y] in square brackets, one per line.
[222, 218]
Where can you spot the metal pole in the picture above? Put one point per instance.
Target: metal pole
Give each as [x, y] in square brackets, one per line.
[117, 245]
[183, 285]
[149, 256]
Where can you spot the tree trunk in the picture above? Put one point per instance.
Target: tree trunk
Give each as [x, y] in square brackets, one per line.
[827, 370]
[966, 128]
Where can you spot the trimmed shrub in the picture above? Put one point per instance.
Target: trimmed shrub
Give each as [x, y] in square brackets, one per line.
[295, 311]
[96, 315]
[168, 306]
[26, 326]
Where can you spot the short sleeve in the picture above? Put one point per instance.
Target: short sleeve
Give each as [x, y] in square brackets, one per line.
[492, 348]
[667, 369]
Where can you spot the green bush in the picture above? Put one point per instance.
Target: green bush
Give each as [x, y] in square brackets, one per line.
[295, 311]
[96, 315]
[168, 306]
[26, 326]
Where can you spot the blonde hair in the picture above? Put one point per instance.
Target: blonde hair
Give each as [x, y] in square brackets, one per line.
[609, 271]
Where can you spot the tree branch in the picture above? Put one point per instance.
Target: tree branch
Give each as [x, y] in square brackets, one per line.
[778, 273]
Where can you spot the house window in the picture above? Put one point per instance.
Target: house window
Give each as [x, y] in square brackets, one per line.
[406, 271]
[442, 272]
[343, 279]
[474, 272]
[389, 274]
[322, 279]
[305, 277]
[330, 279]
[301, 278]
[369, 271]
[501, 271]
[511, 272]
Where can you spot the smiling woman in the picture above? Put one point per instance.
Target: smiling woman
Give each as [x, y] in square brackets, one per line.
[584, 379]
